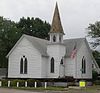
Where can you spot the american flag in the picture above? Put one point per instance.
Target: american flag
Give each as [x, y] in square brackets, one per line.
[74, 51]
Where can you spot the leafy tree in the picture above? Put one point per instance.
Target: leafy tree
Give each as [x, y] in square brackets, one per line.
[9, 34]
[96, 55]
[94, 29]
[94, 32]
[94, 75]
[34, 27]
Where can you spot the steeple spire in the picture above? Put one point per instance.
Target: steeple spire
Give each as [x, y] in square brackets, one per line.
[56, 22]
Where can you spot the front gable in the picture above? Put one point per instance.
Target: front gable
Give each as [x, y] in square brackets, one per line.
[24, 48]
[22, 42]
[84, 52]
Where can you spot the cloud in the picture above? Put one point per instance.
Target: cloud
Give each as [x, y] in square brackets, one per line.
[75, 14]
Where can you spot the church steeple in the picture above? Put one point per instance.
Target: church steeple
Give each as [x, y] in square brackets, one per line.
[56, 48]
[56, 22]
[56, 32]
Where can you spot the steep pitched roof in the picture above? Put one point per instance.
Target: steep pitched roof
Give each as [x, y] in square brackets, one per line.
[70, 44]
[56, 26]
[39, 44]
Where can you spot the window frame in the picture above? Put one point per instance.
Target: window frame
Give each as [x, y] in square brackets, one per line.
[54, 38]
[52, 65]
[23, 65]
[83, 65]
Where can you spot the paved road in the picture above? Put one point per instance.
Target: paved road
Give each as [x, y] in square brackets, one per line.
[5, 90]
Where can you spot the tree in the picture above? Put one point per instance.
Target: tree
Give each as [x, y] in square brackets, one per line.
[96, 55]
[9, 34]
[94, 32]
[34, 27]
[94, 75]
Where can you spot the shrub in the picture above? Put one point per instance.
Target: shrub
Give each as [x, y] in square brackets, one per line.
[94, 75]
[30, 82]
[71, 84]
[21, 83]
[14, 83]
[97, 82]
[4, 83]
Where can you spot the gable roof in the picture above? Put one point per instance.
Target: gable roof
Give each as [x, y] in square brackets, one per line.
[38, 43]
[70, 44]
[41, 44]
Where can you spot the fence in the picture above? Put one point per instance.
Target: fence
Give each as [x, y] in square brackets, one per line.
[21, 83]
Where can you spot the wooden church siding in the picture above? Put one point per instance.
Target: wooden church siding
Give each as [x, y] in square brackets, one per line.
[83, 51]
[33, 57]
[69, 67]
[58, 51]
[44, 67]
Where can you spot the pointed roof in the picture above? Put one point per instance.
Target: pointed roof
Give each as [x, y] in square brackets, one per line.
[56, 26]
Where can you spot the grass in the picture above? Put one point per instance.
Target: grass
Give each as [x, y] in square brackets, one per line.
[38, 88]
[91, 89]
[42, 88]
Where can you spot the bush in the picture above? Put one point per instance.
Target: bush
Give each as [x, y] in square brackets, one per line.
[14, 83]
[39, 84]
[30, 82]
[94, 75]
[4, 83]
[21, 83]
[97, 82]
[71, 84]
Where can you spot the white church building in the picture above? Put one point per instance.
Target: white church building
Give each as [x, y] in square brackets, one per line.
[32, 57]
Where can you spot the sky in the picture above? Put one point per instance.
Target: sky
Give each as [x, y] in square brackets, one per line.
[76, 15]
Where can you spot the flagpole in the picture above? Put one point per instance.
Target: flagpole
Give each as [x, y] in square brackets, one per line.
[74, 57]
[76, 65]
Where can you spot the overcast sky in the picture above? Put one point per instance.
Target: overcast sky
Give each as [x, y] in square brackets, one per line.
[75, 14]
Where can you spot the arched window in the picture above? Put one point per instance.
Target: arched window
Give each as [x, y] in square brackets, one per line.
[61, 61]
[52, 65]
[83, 65]
[59, 38]
[23, 65]
[54, 38]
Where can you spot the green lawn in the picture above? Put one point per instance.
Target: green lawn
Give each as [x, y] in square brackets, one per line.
[42, 88]
[91, 89]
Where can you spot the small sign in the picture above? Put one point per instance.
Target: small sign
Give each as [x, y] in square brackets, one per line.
[82, 83]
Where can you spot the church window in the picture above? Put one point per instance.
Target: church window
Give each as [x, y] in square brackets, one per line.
[54, 38]
[23, 65]
[92, 65]
[52, 65]
[83, 65]
[61, 61]
[60, 38]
